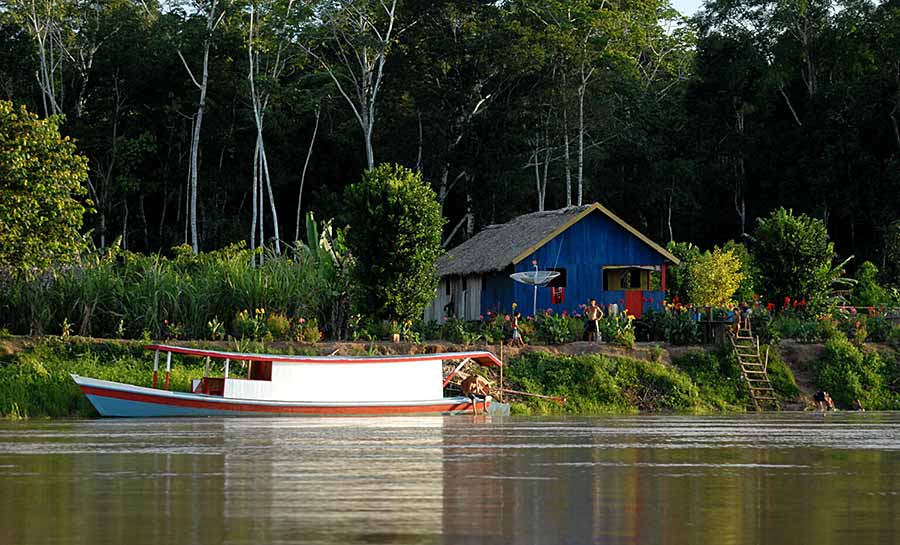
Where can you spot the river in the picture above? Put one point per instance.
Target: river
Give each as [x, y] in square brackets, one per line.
[785, 478]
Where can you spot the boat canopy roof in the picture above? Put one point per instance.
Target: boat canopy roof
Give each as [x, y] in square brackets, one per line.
[486, 359]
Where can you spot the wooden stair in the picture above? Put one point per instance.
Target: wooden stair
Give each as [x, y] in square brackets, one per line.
[753, 368]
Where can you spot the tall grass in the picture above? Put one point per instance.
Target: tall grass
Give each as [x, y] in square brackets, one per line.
[116, 293]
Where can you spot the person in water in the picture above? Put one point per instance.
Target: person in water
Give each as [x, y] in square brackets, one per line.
[823, 401]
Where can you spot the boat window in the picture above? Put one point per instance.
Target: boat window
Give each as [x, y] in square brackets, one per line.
[260, 370]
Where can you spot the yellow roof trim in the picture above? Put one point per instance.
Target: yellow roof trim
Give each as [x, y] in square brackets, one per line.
[596, 206]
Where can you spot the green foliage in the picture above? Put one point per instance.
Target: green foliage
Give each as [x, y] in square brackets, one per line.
[598, 384]
[36, 382]
[718, 377]
[780, 375]
[850, 373]
[678, 280]
[555, 329]
[493, 328]
[867, 292]
[618, 329]
[278, 325]
[714, 278]
[307, 331]
[747, 288]
[41, 177]
[680, 328]
[793, 256]
[113, 292]
[395, 236]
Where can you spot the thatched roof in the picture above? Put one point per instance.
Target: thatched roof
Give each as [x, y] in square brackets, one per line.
[498, 246]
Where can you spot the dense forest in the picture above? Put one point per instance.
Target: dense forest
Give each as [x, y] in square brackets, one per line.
[212, 121]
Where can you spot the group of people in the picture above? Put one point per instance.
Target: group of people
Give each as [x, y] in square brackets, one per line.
[592, 315]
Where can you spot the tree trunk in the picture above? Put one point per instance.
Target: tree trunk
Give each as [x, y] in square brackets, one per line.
[253, 221]
[580, 179]
[309, 151]
[470, 214]
[566, 154]
[265, 166]
[211, 23]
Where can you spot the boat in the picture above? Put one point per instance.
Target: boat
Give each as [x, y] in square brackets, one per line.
[284, 385]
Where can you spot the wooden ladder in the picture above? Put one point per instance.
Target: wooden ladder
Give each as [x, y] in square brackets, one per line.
[754, 369]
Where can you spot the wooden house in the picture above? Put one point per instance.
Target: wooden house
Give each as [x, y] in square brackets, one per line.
[597, 255]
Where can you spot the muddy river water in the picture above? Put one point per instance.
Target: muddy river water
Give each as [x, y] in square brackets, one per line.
[796, 478]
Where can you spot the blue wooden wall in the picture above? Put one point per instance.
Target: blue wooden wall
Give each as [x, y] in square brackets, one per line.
[583, 250]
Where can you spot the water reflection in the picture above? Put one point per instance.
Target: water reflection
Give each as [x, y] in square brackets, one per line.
[675, 479]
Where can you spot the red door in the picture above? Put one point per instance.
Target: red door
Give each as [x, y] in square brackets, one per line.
[634, 302]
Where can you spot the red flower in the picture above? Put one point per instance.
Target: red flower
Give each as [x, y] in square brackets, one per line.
[770, 307]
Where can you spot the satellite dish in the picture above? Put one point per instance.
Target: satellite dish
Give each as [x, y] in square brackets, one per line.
[534, 278]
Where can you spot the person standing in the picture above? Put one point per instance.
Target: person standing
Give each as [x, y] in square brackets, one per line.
[517, 339]
[592, 315]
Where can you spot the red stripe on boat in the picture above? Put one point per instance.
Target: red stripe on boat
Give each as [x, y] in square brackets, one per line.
[279, 409]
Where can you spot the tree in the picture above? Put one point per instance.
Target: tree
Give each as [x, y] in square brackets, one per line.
[715, 277]
[213, 19]
[794, 256]
[395, 236]
[360, 34]
[868, 292]
[41, 177]
[678, 281]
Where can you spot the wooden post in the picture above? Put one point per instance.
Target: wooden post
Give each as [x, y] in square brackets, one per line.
[500, 391]
[227, 361]
[206, 368]
[168, 367]
[155, 367]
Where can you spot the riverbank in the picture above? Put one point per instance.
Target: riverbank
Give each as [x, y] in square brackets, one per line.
[594, 378]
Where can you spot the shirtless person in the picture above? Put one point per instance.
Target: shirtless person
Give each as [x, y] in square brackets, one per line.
[475, 387]
[823, 401]
[592, 315]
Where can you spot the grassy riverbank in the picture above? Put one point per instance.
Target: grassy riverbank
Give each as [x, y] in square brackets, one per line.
[697, 381]
[35, 382]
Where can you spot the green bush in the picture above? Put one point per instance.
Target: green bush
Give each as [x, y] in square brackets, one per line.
[868, 292]
[554, 328]
[849, 373]
[717, 376]
[714, 278]
[395, 236]
[793, 256]
[681, 329]
[279, 326]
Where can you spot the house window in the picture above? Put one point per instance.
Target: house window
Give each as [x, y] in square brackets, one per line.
[625, 278]
[559, 281]
[558, 288]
